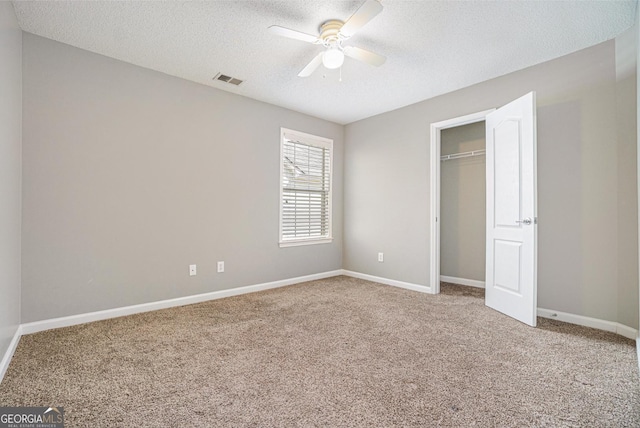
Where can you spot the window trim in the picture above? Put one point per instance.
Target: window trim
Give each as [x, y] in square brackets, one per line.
[312, 140]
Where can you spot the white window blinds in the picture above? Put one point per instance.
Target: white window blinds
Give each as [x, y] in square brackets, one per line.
[305, 211]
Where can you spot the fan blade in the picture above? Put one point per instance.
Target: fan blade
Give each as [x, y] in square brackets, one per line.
[293, 34]
[364, 55]
[366, 13]
[311, 67]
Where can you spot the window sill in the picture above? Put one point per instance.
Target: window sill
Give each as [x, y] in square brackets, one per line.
[300, 242]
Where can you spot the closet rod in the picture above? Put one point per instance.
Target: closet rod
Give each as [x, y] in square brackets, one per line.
[462, 155]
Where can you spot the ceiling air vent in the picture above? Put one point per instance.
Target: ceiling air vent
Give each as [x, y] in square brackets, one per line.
[227, 79]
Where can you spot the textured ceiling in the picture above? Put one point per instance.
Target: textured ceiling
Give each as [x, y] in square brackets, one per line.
[432, 47]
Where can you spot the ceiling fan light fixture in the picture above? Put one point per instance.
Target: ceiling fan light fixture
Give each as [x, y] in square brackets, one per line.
[332, 33]
[333, 58]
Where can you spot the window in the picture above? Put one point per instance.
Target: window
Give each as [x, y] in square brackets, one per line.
[305, 188]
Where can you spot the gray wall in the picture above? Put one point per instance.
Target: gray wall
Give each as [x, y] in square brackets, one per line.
[10, 152]
[579, 188]
[131, 175]
[463, 204]
[626, 111]
[637, 37]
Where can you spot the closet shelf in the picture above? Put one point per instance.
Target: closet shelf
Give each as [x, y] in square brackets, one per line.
[462, 155]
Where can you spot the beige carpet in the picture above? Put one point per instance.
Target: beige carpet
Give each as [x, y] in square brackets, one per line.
[335, 352]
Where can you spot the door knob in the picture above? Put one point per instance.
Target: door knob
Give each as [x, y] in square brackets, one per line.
[525, 221]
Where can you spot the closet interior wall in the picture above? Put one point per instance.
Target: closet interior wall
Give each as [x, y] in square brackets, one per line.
[462, 203]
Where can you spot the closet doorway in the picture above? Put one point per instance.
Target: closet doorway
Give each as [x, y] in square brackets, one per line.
[468, 152]
[463, 205]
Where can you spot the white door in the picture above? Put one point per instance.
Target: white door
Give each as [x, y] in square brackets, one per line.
[511, 280]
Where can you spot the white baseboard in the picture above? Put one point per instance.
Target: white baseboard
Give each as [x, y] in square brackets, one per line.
[462, 281]
[6, 359]
[614, 327]
[387, 281]
[626, 331]
[34, 327]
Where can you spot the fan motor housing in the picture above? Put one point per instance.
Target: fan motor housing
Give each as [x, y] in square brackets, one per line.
[329, 32]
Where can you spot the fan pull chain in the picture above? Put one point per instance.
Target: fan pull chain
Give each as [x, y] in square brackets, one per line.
[340, 80]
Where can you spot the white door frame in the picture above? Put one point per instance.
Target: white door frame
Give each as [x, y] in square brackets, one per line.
[434, 191]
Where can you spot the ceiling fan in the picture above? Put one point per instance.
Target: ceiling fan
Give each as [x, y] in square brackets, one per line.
[332, 34]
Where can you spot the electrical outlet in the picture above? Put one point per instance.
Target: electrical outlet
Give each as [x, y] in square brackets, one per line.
[192, 270]
[381, 257]
[220, 267]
